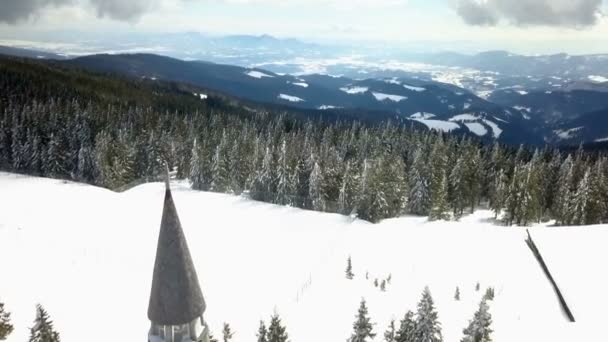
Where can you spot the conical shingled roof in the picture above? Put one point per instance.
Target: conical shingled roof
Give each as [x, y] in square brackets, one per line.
[176, 296]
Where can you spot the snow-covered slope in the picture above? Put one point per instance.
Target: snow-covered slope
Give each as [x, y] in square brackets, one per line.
[87, 255]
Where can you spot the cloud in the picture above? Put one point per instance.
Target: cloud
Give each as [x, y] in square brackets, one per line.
[126, 10]
[13, 11]
[557, 13]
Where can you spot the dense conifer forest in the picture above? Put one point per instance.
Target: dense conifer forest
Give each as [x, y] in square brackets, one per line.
[114, 132]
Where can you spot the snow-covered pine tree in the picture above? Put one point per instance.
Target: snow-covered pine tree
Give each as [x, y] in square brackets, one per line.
[473, 170]
[6, 328]
[477, 287]
[562, 205]
[362, 327]
[284, 185]
[264, 178]
[383, 285]
[439, 199]
[54, 165]
[196, 171]
[439, 182]
[227, 333]
[428, 328]
[349, 269]
[390, 333]
[316, 191]
[598, 194]
[500, 193]
[457, 190]
[457, 294]
[581, 200]
[419, 198]
[407, 329]
[489, 295]
[262, 332]
[43, 330]
[221, 173]
[276, 331]
[479, 327]
[513, 202]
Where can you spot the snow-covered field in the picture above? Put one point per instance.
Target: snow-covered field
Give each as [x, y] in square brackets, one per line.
[86, 254]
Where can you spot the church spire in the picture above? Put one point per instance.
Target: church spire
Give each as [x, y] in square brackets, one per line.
[176, 300]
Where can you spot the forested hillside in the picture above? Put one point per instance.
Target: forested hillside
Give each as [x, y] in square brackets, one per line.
[66, 123]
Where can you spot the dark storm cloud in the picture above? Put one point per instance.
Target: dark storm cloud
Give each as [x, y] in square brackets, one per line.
[12, 11]
[474, 13]
[562, 13]
[123, 9]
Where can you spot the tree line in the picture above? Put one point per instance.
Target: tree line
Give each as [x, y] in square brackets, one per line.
[372, 172]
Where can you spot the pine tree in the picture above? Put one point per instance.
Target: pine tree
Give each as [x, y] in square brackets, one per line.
[284, 185]
[316, 192]
[276, 332]
[500, 194]
[383, 285]
[489, 295]
[262, 332]
[581, 200]
[479, 327]
[389, 334]
[457, 294]
[6, 328]
[362, 328]
[457, 188]
[439, 199]
[407, 329]
[349, 269]
[196, 171]
[439, 182]
[477, 287]
[43, 328]
[419, 199]
[562, 206]
[227, 332]
[221, 173]
[597, 204]
[428, 328]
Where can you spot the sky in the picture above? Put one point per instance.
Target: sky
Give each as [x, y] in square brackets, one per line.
[524, 26]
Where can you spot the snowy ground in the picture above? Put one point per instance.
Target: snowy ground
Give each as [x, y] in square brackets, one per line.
[87, 255]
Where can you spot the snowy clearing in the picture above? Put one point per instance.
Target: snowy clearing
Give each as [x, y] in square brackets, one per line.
[598, 79]
[412, 88]
[439, 125]
[300, 84]
[496, 130]
[477, 128]
[87, 255]
[464, 117]
[257, 74]
[384, 97]
[422, 115]
[326, 107]
[354, 90]
[567, 133]
[290, 98]
[522, 108]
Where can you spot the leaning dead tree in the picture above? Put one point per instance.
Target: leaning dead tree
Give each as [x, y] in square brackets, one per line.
[542, 263]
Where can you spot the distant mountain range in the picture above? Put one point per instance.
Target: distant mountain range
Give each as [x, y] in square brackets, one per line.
[424, 103]
[558, 99]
